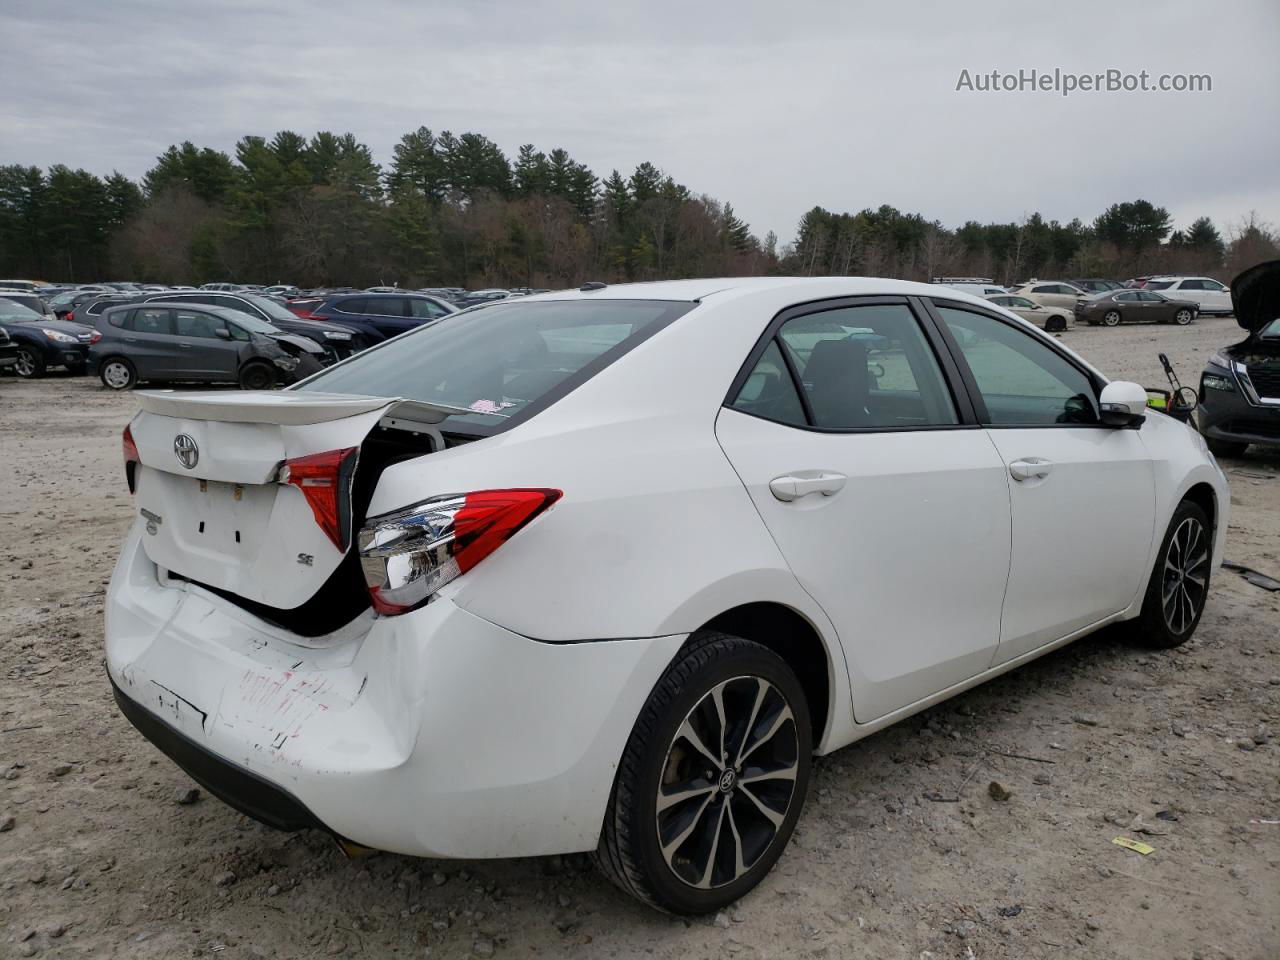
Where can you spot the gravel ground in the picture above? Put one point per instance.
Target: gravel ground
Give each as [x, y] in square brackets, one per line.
[105, 849]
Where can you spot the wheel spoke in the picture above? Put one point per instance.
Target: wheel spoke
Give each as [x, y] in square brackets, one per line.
[669, 798]
[717, 697]
[709, 869]
[695, 740]
[672, 845]
[775, 725]
[773, 816]
[739, 867]
[758, 775]
[762, 688]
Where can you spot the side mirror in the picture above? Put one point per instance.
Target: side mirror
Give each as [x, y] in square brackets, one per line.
[1123, 404]
[222, 333]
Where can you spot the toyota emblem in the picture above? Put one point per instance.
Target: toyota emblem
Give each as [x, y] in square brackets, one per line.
[185, 449]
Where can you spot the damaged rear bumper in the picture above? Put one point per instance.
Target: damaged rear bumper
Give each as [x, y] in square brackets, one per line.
[436, 733]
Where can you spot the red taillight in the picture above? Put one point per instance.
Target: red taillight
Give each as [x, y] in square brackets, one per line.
[408, 555]
[131, 458]
[325, 480]
[95, 336]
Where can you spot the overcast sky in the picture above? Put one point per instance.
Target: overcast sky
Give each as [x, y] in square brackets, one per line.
[774, 107]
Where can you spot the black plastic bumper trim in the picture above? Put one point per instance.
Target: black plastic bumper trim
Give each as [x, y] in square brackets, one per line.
[236, 787]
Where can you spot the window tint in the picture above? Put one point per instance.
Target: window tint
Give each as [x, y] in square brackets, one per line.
[1046, 288]
[505, 359]
[867, 367]
[1149, 297]
[426, 309]
[1126, 297]
[1211, 285]
[152, 321]
[1022, 381]
[1189, 285]
[352, 305]
[386, 306]
[769, 391]
[187, 324]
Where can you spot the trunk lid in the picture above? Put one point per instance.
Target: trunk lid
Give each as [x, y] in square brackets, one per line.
[216, 501]
[1255, 295]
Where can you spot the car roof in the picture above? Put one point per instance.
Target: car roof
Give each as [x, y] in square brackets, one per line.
[697, 290]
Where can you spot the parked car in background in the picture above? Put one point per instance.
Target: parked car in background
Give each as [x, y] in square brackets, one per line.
[1213, 297]
[164, 342]
[1134, 306]
[282, 290]
[27, 286]
[1049, 293]
[374, 316]
[1240, 386]
[231, 287]
[1097, 284]
[1041, 316]
[8, 351]
[33, 302]
[43, 344]
[88, 311]
[377, 656]
[65, 304]
[336, 341]
[1136, 283]
[978, 286]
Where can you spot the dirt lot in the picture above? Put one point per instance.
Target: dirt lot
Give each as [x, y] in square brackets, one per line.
[98, 856]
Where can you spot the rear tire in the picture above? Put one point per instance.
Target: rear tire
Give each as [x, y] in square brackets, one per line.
[117, 373]
[1111, 318]
[30, 365]
[257, 375]
[1179, 582]
[734, 818]
[1226, 448]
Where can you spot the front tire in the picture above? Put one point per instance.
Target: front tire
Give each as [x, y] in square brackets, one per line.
[1111, 318]
[257, 376]
[1182, 317]
[1179, 583]
[693, 825]
[30, 365]
[117, 373]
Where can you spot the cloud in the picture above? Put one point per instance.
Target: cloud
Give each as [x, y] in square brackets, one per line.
[773, 107]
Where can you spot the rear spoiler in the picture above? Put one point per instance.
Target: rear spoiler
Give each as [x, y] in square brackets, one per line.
[285, 407]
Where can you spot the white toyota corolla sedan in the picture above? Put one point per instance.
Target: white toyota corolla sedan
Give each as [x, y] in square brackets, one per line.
[602, 570]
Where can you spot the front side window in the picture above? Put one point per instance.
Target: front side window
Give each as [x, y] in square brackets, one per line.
[386, 306]
[1212, 285]
[1047, 288]
[1150, 297]
[1159, 284]
[1126, 297]
[1022, 381]
[1022, 303]
[426, 309]
[1191, 285]
[859, 368]
[202, 325]
[505, 360]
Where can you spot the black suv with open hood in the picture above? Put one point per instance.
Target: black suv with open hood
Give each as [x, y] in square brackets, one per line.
[1240, 385]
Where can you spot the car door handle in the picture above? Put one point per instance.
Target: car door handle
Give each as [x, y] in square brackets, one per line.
[1030, 468]
[804, 482]
[130, 339]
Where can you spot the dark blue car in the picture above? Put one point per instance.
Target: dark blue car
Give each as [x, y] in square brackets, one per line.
[43, 343]
[377, 316]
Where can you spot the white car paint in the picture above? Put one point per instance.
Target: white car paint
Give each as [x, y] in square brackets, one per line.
[490, 721]
[1212, 295]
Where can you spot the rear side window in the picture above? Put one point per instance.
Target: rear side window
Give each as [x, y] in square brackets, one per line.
[1022, 381]
[506, 362]
[859, 368]
[152, 321]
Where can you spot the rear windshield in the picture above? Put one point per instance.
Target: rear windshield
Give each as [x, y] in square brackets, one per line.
[504, 362]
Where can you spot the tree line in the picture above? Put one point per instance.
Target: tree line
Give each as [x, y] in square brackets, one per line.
[455, 210]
